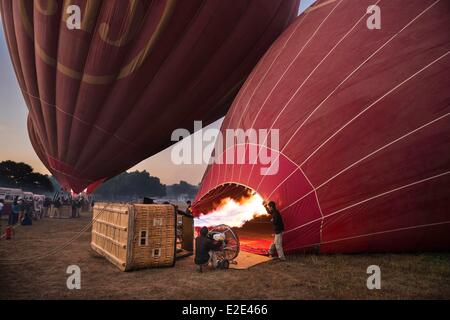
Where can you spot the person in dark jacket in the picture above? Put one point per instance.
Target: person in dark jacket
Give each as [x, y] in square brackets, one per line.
[189, 208]
[204, 249]
[79, 205]
[57, 205]
[1, 211]
[47, 205]
[76, 207]
[278, 228]
[27, 208]
[15, 211]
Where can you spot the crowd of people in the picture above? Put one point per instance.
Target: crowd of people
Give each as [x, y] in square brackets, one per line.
[64, 199]
[24, 211]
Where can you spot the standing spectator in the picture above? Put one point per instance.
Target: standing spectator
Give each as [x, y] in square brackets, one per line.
[74, 208]
[278, 228]
[40, 206]
[15, 210]
[21, 208]
[27, 217]
[47, 204]
[31, 205]
[79, 205]
[1, 212]
[189, 208]
[57, 206]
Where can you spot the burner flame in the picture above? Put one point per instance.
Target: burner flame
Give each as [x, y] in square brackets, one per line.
[234, 213]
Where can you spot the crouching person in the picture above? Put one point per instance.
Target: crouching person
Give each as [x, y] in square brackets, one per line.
[205, 250]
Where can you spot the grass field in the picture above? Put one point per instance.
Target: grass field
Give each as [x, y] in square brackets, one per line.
[404, 276]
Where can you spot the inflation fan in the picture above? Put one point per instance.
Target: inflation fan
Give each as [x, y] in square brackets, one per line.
[230, 247]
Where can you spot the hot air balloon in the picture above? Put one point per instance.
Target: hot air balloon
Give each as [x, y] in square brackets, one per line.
[363, 113]
[106, 92]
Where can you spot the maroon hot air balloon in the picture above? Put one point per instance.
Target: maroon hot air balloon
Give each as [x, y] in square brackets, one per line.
[108, 95]
[364, 129]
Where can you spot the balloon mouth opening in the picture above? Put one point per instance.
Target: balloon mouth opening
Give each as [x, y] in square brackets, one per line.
[241, 208]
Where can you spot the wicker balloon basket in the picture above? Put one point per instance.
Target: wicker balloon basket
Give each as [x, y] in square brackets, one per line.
[135, 236]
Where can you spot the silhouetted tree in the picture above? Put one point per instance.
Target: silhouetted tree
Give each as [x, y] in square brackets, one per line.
[21, 175]
[129, 185]
[182, 188]
[55, 183]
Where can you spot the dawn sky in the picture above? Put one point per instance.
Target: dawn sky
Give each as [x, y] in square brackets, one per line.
[15, 145]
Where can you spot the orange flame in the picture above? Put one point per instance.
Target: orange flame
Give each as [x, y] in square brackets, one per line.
[234, 213]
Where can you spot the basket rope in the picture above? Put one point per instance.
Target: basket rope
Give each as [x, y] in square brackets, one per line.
[55, 250]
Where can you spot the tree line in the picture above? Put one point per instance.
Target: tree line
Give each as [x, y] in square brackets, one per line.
[129, 186]
[126, 186]
[22, 176]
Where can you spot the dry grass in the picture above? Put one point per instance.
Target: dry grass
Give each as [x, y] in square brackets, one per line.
[409, 276]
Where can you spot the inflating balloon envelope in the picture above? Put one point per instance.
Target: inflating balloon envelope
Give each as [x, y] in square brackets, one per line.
[364, 123]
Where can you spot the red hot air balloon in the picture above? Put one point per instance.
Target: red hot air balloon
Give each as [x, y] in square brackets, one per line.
[364, 129]
[109, 94]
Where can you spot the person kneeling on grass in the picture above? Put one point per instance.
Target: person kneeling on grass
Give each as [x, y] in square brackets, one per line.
[278, 228]
[205, 250]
